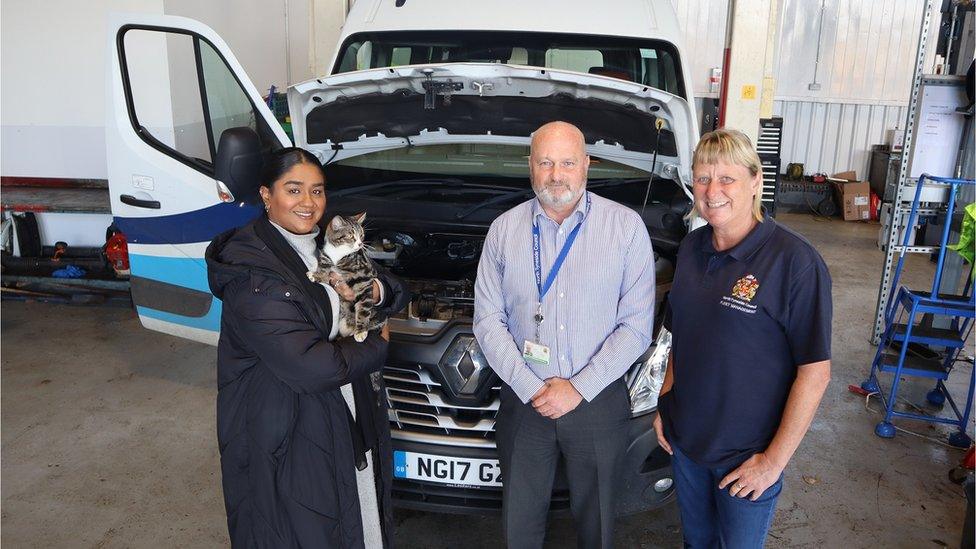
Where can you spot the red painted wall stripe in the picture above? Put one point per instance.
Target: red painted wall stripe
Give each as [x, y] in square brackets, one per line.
[53, 182]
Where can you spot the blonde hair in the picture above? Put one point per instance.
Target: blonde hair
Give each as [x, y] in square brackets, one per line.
[730, 147]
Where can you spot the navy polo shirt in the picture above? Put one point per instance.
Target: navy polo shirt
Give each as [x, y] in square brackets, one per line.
[742, 321]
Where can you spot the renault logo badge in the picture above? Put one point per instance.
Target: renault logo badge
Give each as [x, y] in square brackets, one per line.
[464, 366]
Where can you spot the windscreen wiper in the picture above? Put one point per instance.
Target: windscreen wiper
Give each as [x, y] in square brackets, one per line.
[501, 199]
[451, 182]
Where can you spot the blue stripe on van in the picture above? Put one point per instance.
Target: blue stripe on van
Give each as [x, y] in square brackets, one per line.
[211, 321]
[189, 272]
[196, 226]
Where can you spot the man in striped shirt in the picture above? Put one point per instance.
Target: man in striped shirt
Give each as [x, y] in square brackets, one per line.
[564, 304]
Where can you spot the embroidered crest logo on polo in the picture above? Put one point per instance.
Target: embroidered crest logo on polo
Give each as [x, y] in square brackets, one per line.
[535, 351]
[745, 288]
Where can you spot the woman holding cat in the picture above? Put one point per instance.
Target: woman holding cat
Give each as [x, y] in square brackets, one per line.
[304, 439]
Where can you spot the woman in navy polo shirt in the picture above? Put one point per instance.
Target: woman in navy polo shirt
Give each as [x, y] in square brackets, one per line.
[750, 315]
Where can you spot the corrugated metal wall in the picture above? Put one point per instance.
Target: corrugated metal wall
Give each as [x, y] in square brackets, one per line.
[867, 51]
[834, 137]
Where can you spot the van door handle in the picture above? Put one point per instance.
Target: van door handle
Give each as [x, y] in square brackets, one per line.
[138, 202]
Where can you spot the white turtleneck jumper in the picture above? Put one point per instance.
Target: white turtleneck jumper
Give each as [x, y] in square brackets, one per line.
[304, 245]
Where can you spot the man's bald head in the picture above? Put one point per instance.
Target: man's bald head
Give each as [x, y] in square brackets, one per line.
[558, 130]
[558, 164]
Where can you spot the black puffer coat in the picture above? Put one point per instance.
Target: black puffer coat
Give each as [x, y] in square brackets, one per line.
[287, 438]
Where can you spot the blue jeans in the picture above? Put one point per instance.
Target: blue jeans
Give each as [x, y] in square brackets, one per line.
[710, 517]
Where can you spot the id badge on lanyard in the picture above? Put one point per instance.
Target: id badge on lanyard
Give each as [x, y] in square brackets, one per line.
[534, 351]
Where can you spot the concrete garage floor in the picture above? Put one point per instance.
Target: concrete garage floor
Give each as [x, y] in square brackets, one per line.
[108, 438]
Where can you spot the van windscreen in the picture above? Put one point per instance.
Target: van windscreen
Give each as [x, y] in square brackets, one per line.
[649, 62]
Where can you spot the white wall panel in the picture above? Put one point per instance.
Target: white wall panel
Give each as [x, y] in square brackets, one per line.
[53, 57]
[834, 137]
[703, 29]
[867, 56]
[867, 53]
[867, 50]
[52, 112]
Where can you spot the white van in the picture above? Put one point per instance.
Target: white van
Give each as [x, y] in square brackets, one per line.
[425, 124]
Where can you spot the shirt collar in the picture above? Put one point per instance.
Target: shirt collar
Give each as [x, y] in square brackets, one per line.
[579, 212]
[749, 245]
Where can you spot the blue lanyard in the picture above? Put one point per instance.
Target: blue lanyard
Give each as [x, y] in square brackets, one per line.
[537, 258]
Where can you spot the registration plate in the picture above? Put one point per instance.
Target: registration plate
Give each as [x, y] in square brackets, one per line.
[447, 470]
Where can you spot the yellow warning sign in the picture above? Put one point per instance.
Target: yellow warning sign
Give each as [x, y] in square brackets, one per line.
[749, 91]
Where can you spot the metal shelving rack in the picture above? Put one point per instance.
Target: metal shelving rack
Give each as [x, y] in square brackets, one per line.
[900, 209]
[933, 199]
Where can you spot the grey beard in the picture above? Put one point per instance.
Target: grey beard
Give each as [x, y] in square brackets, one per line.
[546, 197]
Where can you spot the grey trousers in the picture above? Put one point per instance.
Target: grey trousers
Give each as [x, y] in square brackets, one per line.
[591, 439]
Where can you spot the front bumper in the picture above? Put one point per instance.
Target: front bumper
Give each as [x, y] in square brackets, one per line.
[639, 489]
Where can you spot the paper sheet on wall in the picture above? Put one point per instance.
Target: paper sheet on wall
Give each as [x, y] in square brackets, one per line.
[938, 130]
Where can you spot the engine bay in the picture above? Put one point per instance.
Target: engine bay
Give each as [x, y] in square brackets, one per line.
[441, 256]
[439, 269]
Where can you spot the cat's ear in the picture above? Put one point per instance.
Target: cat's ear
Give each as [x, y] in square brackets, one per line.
[336, 223]
[360, 217]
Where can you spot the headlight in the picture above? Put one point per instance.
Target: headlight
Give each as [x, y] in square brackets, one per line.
[645, 380]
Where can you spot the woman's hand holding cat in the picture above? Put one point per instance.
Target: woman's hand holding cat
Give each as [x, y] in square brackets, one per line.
[346, 293]
[341, 288]
[385, 332]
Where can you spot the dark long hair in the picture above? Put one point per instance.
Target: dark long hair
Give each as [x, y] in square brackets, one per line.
[280, 161]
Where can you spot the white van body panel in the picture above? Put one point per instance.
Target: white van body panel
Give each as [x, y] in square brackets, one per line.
[650, 19]
[654, 19]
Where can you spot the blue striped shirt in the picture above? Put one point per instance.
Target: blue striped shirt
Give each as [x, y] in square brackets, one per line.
[599, 312]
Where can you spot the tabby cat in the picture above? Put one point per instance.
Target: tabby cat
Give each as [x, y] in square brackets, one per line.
[343, 253]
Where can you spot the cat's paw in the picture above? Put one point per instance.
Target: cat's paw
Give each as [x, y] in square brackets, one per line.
[360, 337]
[311, 275]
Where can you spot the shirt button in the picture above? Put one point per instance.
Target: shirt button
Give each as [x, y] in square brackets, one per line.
[562, 358]
[287, 294]
[561, 327]
[560, 231]
[562, 294]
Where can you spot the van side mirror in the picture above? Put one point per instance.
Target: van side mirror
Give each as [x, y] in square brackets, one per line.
[238, 162]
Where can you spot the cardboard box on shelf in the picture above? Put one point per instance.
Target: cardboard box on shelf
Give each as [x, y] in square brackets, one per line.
[853, 196]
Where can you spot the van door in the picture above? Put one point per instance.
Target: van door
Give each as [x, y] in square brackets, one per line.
[174, 90]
